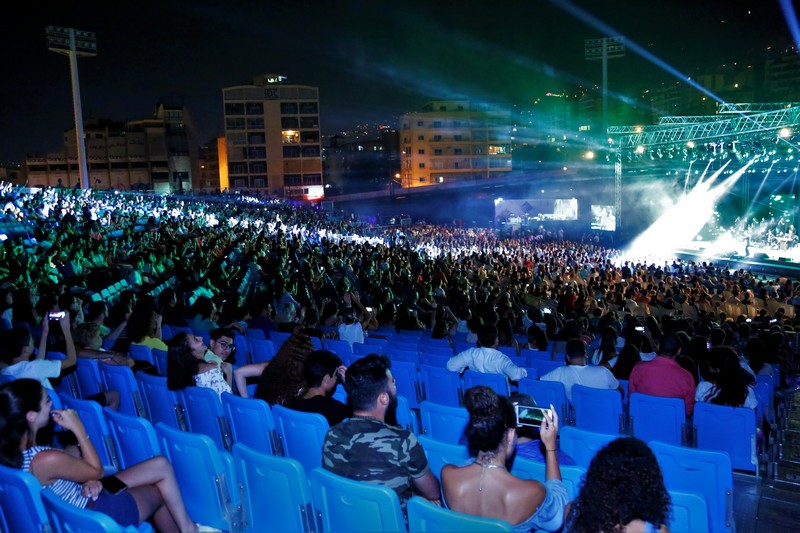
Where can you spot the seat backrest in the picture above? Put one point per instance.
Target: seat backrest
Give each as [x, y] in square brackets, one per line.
[706, 472]
[543, 367]
[443, 422]
[261, 350]
[424, 515]
[91, 414]
[255, 333]
[160, 358]
[534, 356]
[204, 414]
[161, 404]
[764, 378]
[406, 417]
[689, 512]
[440, 453]
[288, 507]
[205, 480]
[766, 404]
[497, 382]
[134, 437]
[406, 375]
[278, 338]
[440, 385]
[657, 418]
[403, 354]
[355, 506]
[21, 501]
[582, 444]
[87, 372]
[252, 423]
[571, 475]
[728, 429]
[547, 393]
[68, 518]
[598, 410]
[302, 435]
[434, 359]
[340, 347]
[121, 379]
[140, 352]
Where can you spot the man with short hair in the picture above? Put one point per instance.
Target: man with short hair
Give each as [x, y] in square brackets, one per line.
[322, 371]
[365, 448]
[663, 376]
[577, 372]
[486, 358]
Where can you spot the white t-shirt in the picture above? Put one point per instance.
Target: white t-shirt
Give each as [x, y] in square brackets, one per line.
[598, 377]
[488, 361]
[704, 388]
[351, 333]
[39, 369]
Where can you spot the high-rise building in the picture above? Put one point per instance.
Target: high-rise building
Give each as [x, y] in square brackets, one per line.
[455, 140]
[148, 154]
[273, 140]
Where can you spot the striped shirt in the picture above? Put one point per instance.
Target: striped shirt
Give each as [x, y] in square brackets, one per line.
[63, 488]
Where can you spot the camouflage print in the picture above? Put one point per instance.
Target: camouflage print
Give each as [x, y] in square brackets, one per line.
[367, 449]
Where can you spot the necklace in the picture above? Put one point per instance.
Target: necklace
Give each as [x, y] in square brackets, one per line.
[484, 467]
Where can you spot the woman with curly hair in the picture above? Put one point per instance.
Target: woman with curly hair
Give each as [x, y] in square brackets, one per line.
[282, 379]
[623, 492]
[485, 487]
[186, 365]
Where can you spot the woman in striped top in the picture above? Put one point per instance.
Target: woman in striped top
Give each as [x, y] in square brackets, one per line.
[152, 490]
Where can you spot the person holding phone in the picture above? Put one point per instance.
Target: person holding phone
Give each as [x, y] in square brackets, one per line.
[485, 487]
[143, 491]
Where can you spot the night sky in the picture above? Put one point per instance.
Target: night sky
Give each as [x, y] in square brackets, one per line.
[372, 61]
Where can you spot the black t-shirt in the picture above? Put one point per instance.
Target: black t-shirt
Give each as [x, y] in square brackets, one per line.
[332, 409]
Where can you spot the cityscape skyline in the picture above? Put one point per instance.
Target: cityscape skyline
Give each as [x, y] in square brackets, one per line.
[371, 61]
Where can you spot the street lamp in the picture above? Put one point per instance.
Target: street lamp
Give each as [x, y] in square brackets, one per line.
[73, 43]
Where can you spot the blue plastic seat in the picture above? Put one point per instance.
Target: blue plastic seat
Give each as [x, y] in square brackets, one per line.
[534, 356]
[571, 475]
[288, 507]
[204, 414]
[728, 429]
[443, 422]
[658, 418]
[140, 352]
[91, 414]
[440, 453]
[689, 512]
[278, 338]
[547, 393]
[134, 437]
[406, 417]
[68, 518]
[708, 473]
[497, 382]
[434, 359]
[354, 506]
[21, 507]
[160, 358]
[543, 367]
[406, 375]
[261, 350]
[166, 332]
[403, 354]
[424, 515]
[252, 423]
[440, 385]
[243, 355]
[374, 345]
[302, 435]
[581, 444]
[161, 404]
[121, 379]
[255, 333]
[87, 372]
[340, 347]
[598, 410]
[205, 475]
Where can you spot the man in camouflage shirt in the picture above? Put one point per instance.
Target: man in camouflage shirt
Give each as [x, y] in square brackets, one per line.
[366, 448]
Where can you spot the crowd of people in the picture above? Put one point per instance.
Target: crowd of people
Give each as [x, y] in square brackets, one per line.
[236, 263]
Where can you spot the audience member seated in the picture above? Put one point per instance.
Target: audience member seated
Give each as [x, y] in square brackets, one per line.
[577, 372]
[486, 358]
[282, 379]
[323, 372]
[187, 367]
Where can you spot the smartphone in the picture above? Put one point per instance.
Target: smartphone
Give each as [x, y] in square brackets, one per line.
[113, 484]
[748, 319]
[773, 321]
[708, 345]
[546, 311]
[56, 315]
[639, 328]
[369, 309]
[530, 415]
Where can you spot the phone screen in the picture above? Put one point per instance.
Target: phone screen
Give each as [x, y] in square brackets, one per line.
[530, 415]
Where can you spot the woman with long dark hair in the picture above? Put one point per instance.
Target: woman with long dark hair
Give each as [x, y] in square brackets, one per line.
[623, 490]
[187, 367]
[282, 378]
[726, 383]
[152, 490]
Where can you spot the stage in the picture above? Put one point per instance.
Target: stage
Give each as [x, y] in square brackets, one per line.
[763, 261]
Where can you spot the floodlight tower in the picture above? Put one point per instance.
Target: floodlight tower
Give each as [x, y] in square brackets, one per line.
[604, 49]
[73, 43]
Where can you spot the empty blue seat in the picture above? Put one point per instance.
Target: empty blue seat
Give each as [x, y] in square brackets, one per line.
[424, 515]
[261, 350]
[658, 418]
[440, 453]
[406, 377]
[121, 379]
[288, 507]
[581, 444]
[355, 506]
[278, 338]
[252, 423]
[160, 358]
[134, 437]
[443, 422]
[702, 471]
[204, 414]
[728, 429]
[302, 435]
[21, 507]
[87, 372]
[440, 385]
[140, 352]
[497, 382]
[689, 512]
[406, 417]
[161, 404]
[598, 410]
